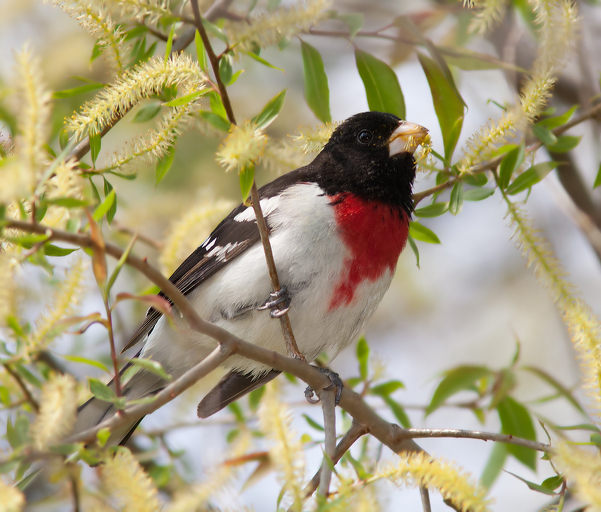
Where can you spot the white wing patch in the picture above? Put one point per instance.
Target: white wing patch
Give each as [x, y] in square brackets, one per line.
[267, 206]
[220, 253]
[208, 243]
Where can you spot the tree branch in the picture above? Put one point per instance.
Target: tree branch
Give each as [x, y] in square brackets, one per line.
[328, 405]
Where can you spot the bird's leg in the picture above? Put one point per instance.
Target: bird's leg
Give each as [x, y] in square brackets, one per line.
[336, 381]
[277, 298]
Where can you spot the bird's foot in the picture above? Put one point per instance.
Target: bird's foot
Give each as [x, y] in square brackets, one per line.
[275, 300]
[336, 382]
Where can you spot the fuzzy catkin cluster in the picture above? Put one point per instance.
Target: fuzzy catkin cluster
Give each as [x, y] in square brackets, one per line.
[583, 471]
[243, 147]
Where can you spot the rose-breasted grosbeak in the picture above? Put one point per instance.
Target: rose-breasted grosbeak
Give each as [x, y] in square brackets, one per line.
[337, 227]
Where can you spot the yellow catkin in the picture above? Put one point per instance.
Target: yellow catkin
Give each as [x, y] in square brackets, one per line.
[583, 472]
[489, 14]
[65, 300]
[196, 496]
[11, 499]
[282, 156]
[66, 183]
[268, 29]
[584, 327]
[150, 10]
[286, 450]
[33, 119]
[189, 231]
[58, 411]
[243, 147]
[420, 469]
[7, 290]
[135, 84]
[558, 22]
[125, 480]
[312, 140]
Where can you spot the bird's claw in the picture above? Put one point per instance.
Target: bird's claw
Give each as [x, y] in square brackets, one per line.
[336, 382]
[278, 297]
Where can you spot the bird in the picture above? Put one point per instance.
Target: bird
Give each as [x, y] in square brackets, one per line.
[337, 227]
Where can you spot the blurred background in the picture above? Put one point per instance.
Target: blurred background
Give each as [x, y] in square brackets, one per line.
[471, 301]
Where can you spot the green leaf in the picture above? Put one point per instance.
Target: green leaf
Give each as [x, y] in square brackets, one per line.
[478, 179]
[91, 362]
[102, 391]
[177, 102]
[448, 104]
[217, 105]
[262, 61]
[25, 481]
[236, 410]
[381, 85]
[555, 122]
[317, 92]
[105, 206]
[17, 434]
[254, 398]
[414, 248]
[225, 68]
[511, 161]
[386, 388]
[469, 60]
[531, 177]
[67, 202]
[398, 411]
[564, 144]
[543, 134]
[103, 436]
[201, 54]
[215, 120]
[108, 188]
[147, 112]
[354, 22]
[553, 482]
[420, 232]
[598, 178]
[120, 264]
[164, 164]
[270, 111]
[478, 194]
[151, 366]
[169, 42]
[95, 145]
[53, 250]
[432, 210]
[558, 386]
[363, 357]
[533, 486]
[63, 138]
[494, 465]
[215, 30]
[313, 423]
[247, 177]
[516, 421]
[456, 202]
[76, 91]
[456, 380]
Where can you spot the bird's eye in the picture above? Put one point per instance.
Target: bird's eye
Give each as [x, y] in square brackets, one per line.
[365, 137]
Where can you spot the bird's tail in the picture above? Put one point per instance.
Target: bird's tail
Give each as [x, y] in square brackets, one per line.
[95, 411]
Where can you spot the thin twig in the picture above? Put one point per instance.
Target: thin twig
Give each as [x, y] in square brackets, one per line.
[328, 405]
[423, 492]
[22, 385]
[121, 228]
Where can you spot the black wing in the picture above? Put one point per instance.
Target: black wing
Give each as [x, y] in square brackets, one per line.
[206, 261]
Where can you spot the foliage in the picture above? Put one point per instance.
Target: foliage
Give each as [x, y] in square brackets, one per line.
[47, 185]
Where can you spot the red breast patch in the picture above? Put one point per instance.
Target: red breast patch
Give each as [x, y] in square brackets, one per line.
[375, 234]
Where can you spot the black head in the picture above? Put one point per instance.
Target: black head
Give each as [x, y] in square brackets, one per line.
[371, 155]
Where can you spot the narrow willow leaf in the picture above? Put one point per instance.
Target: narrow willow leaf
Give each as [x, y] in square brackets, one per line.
[516, 421]
[531, 177]
[543, 134]
[533, 486]
[414, 248]
[216, 104]
[260, 59]
[67, 202]
[177, 102]
[312, 423]
[247, 177]
[478, 179]
[108, 189]
[478, 194]
[495, 464]
[225, 68]
[102, 391]
[354, 22]
[555, 122]
[151, 366]
[120, 264]
[95, 145]
[511, 161]
[91, 362]
[215, 120]
[104, 207]
[448, 104]
[53, 250]
[422, 233]
[164, 164]
[76, 91]
[169, 42]
[201, 54]
[432, 210]
[456, 380]
[398, 411]
[363, 357]
[270, 111]
[386, 388]
[559, 387]
[598, 178]
[456, 202]
[147, 112]
[381, 85]
[317, 92]
[469, 60]
[564, 144]
[215, 30]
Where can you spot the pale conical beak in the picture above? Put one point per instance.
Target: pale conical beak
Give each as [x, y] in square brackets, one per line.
[406, 138]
